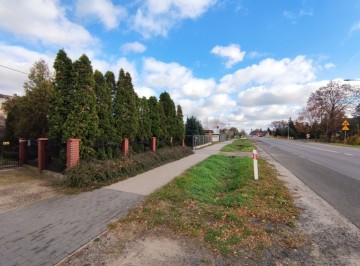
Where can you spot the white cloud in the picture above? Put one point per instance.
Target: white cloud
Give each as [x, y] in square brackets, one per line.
[156, 18]
[103, 10]
[254, 54]
[198, 88]
[232, 53]
[270, 71]
[145, 92]
[135, 47]
[329, 66]
[44, 22]
[176, 79]
[355, 27]
[285, 94]
[294, 16]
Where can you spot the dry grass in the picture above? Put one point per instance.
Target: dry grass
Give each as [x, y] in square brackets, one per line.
[17, 175]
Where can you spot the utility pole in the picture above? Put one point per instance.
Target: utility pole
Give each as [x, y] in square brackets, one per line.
[289, 128]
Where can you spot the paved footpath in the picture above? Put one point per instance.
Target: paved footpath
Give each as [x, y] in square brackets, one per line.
[45, 232]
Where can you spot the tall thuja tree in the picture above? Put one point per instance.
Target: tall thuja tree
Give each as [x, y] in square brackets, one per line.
[103, 107]
[118, 107]
[144, 132]
[126, 113]
[132, 108]
[82, 121]
[61, 96]
[180, 127]
[154, 116]
[170, 113]
[111, 84]
[162, 122]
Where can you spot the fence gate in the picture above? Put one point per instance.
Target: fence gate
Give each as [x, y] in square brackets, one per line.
[9, 154]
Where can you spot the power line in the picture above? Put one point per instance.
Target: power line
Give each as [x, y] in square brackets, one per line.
[14, 70]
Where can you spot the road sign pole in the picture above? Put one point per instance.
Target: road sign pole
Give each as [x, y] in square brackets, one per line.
[255, 159]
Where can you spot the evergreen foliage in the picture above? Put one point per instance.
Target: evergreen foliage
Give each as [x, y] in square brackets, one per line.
[193, 126]
[111, 83]
[82, 121]
[154, 116]
[180, 127]
[61, 96]
[144, 132]
[103, 106]
[80, 103]
[164, 133]
[126, 113]
[170, 114]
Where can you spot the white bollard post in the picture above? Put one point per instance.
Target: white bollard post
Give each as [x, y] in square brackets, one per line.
[256, 171]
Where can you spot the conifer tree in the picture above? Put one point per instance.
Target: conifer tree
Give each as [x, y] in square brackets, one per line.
[180, 127]
[61, 95]
[193, 126]
[103, 106]
[118, 105]
[144, 132]
[170, 113]
[154, 115]
[111, 83]
[82, 121]
[163, 133]
[126, 113]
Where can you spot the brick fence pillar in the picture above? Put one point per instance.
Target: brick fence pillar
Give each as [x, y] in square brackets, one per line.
[125, 147]
[153, 144]
[42, 157]
[22, 152]
[72, 152]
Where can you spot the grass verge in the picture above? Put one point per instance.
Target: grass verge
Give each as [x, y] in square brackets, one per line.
[218, 203]
[244, 145]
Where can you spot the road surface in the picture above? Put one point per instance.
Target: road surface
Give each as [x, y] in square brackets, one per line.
[333, 172]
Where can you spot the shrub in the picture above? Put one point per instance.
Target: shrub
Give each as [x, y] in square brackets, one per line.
[93, 174]
[353, 140]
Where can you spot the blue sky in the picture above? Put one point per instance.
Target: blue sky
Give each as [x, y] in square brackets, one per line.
[246, 63]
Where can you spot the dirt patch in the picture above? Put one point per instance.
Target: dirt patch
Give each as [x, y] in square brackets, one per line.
[22, 186]
[131, 244]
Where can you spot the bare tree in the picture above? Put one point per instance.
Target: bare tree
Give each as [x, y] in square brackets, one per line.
[330, 103]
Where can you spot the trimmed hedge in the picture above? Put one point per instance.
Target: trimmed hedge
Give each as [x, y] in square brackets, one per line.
[95, 173]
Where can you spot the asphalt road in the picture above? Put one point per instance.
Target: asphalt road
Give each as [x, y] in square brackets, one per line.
[333, 172]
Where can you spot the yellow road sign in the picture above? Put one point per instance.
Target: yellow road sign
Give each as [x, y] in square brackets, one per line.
[345, 128]
[345, 123]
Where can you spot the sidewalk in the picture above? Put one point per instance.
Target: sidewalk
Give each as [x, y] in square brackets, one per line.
[47, 231]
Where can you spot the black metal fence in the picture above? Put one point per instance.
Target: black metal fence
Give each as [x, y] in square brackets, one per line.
[195, 141]
[9, 154]
[56, 156]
